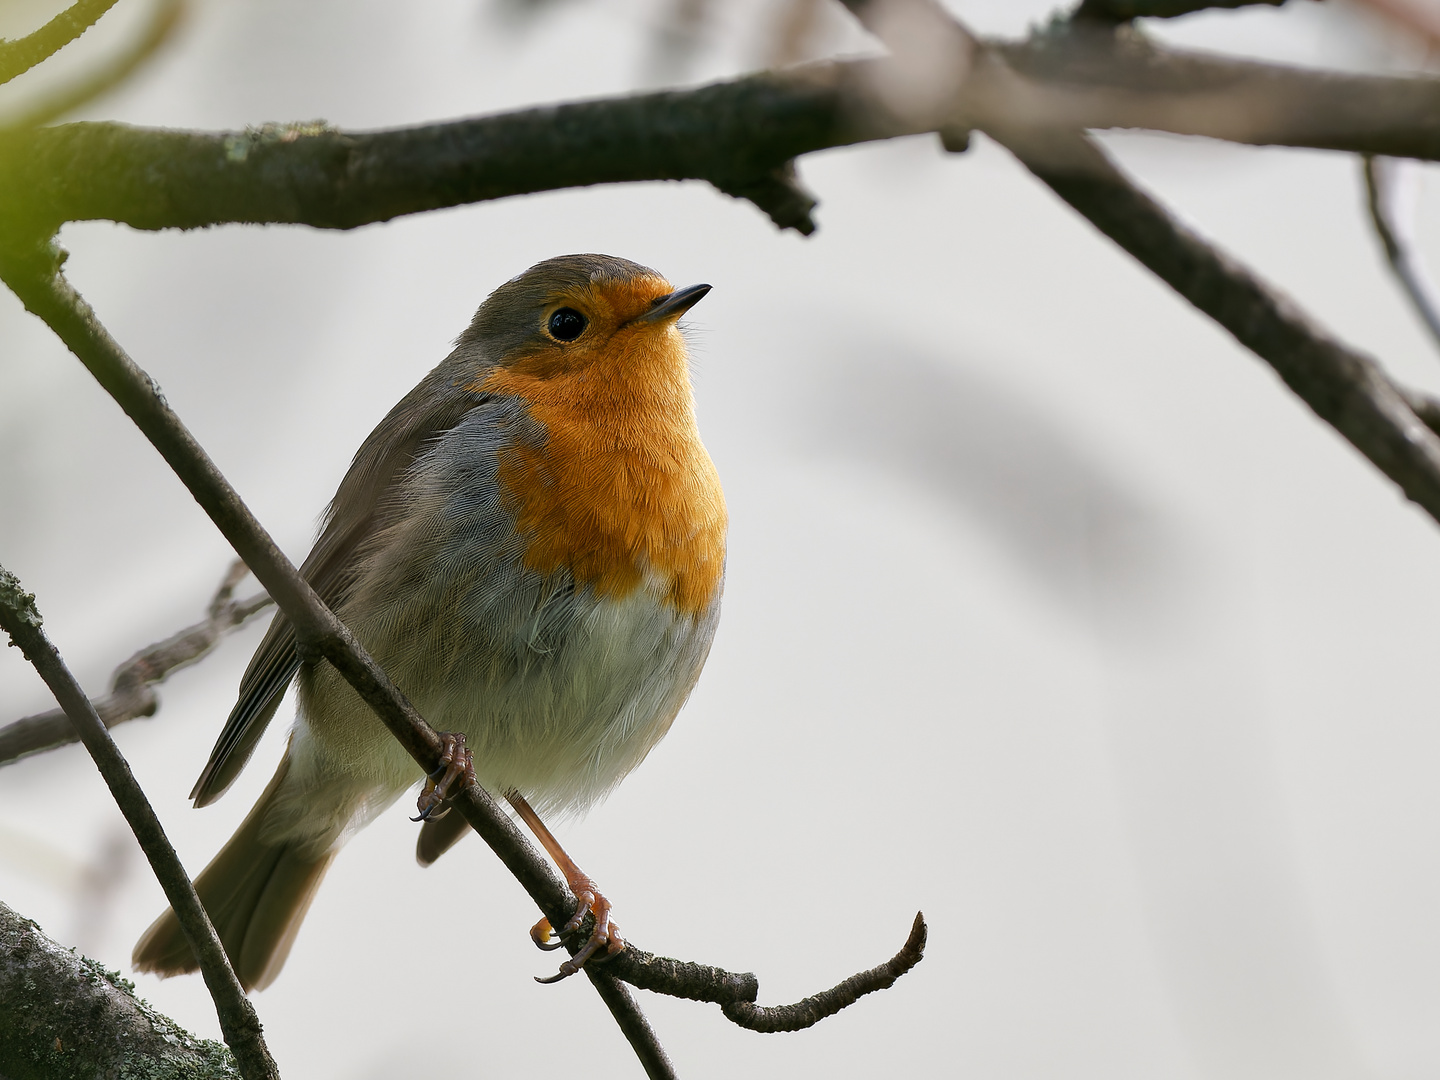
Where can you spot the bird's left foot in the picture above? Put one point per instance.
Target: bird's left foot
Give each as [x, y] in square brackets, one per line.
[606, 935]
[455, 761]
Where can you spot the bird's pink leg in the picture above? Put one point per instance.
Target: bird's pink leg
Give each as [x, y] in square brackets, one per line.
[606, 934]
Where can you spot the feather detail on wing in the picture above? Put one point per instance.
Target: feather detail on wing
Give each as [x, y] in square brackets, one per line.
[433, 407]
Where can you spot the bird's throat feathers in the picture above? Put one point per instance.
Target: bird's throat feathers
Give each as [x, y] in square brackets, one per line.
[621, 490]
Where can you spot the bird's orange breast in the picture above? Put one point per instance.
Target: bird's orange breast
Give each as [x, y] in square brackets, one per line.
[621, 491]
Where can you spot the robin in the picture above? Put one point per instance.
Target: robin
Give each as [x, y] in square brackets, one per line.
[532, 544]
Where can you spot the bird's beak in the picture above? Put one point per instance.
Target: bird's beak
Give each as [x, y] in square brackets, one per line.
[673, 305]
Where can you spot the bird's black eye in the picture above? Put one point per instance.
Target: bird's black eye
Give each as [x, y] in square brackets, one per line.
[567, 324]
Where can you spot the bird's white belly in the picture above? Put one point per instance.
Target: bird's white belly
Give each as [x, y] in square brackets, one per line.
[558, 710]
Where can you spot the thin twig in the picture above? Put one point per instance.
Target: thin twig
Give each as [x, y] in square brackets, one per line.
[22, 54]
[132, 693]
[21, 620]
[1381, 180]
[102, 79]
[812, 1010]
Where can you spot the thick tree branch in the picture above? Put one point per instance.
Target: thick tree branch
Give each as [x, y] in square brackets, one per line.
[22, 54]
[67, 1016]
[741, 136]
[132, 692]
[21, 620]
[1123, 10]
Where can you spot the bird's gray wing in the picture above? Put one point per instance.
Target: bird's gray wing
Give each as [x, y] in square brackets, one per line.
[433, 407]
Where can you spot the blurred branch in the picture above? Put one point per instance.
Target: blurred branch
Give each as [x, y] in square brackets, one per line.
[1382, 180]
[21, 620]
[132, 691]
[163, 21]
[22, 54]
[66, 1015]
[33, 273]
[1345, 388]
[741, 136]
[1123, 10]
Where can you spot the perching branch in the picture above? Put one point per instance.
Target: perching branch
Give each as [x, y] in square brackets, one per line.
[66, 1015]
[33, 273]
[241, 1027]
[22, 54]
[132, 693]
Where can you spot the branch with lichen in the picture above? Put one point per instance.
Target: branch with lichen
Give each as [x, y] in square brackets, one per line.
[66, 1015]
[132, 686]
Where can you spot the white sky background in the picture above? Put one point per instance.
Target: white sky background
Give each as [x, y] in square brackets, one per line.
[1049, 612]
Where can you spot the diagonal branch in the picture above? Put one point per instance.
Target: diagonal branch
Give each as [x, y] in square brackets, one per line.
[21, 620]
[1347, 389]
[22, 54]
[132, 693]
[1382, 178]
[33, 274]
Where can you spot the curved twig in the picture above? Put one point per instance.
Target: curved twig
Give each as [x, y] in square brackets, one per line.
[21, 620]
[132, 694]
[812, 1010]
[22, 54]
[104, 78]
[1380, 197]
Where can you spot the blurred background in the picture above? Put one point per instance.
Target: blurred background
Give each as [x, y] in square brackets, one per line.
[1049, 611]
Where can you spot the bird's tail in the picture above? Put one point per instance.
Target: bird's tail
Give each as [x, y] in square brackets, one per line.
[256, 891]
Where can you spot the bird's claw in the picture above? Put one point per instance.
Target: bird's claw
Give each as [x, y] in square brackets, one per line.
[605, 935]
[455, 761]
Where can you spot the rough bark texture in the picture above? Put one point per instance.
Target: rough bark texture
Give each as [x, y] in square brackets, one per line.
[67, 1017]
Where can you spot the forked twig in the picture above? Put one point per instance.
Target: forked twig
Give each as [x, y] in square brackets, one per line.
[132, 687]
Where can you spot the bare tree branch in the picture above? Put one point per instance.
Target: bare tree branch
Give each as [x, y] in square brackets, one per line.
[66, 1015]
[1345, 388]
[132, 693]
[21, 620]
[22, 54]
[1122, 10]
[1382, 179]
[741, 136]
[812, 1010]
